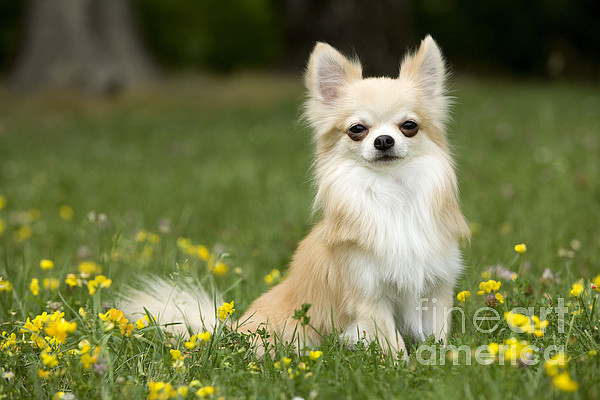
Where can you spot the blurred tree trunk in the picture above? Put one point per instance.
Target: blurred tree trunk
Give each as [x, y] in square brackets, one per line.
[377, 31]
[86, 45]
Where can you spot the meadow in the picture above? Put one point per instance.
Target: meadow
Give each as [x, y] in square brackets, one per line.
[209, 178]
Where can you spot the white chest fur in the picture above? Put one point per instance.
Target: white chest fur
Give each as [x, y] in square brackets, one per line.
[397, 248]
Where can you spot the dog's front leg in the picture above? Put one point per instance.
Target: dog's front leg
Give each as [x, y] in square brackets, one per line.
[376, 322]
[437, 309]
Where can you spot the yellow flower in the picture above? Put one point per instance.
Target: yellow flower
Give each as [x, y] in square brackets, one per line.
[141, 236]
[35, 327]
[273, 277]
[60, 328]
[84, 346]
[89, 268]
[205, 337]
[292, 374]
[113, 315]
[2, 226]
[161, 391]
[313, 355]
[46, 264]
[190, 344]
[5, 286]
[34, 286]
[50, 283]
[153, 238]
[103, 281]
[183, 243]
[178, 364]
[175, 354]
[59, 395]
[252, 367]
[2, 202]
[100, 281]
[516, 350]
[88, 359]
[225, 310]
[489, 286]
[71, 280]
[37, 324]
[11, 341]
[539, 324]
[576, 289]
[48, 359]
[596, 283]
[494, 348]
[182, 391]
[522, 323]
[116, 317]
[286, 362]
[555, 363]
[220, 269]
[92, 287]
[500, 298]
[65, 212]
[202, 252]
[521, 248]
[126, 329]
[463, 296]
[205, 391]
[43, 374]
[564, 382]
[143, 322]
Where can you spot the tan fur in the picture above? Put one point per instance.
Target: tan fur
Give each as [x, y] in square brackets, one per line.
[317, 273]
[313, 280]
[388, 238]
[315, 277]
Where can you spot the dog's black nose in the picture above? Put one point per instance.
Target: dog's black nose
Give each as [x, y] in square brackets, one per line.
[384, 142]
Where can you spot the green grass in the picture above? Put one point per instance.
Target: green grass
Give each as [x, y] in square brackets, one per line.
[225, 163]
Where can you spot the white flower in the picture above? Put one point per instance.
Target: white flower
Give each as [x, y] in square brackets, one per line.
[8, 375]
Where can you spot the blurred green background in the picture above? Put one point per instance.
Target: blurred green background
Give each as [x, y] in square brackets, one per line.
[546, 38]
[219, 150]
[209, 145]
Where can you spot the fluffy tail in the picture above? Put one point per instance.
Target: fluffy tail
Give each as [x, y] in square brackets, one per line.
[185, 305]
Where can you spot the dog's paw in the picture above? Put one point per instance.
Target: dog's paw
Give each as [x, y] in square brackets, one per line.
[394, 344]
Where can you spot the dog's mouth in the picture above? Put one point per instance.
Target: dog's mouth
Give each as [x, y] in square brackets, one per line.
[386, 158]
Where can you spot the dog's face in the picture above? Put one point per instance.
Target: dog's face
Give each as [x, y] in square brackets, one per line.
[378, 122]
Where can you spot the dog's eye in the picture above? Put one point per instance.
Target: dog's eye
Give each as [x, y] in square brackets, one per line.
[357, 132]
[409, 128]
[357, 129]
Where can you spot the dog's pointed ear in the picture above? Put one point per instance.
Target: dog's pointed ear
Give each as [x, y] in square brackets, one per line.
[426, 68]
[328, 71]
